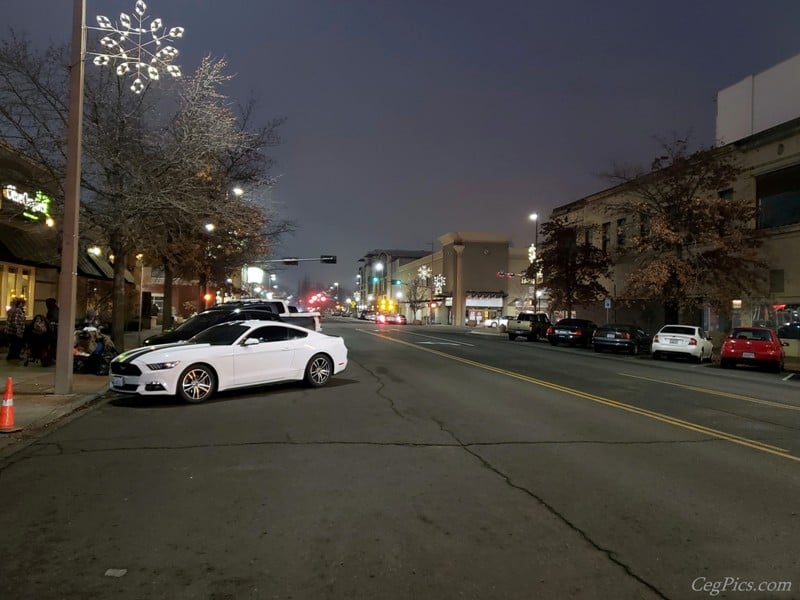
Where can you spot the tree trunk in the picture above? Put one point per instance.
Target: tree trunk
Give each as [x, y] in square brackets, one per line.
[118, 312]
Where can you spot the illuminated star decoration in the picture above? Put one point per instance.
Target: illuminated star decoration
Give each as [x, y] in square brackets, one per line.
[424, 272]
[438, 283]
[136, 49]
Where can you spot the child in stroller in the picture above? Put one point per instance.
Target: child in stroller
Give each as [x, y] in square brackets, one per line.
[39, 342]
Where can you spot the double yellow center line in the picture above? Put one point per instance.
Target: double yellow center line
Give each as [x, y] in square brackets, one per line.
[709, 431]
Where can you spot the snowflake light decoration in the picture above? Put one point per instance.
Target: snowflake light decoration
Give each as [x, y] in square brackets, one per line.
[424, 272]
[438, 283]
[138, 50]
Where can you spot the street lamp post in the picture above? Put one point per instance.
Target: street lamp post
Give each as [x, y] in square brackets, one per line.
[68, 278]
[137, 41]
[209, 227]
[140, 260]
[379, 269]
[535, 218]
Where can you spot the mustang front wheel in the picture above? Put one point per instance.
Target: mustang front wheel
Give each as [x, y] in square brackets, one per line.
[319, 370]
[196, 384]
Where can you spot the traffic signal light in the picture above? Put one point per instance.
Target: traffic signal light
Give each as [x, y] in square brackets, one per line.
[329, 259]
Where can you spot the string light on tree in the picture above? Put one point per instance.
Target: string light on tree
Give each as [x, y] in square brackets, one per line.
[137, 50]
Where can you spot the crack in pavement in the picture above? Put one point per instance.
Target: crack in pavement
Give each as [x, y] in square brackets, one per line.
[379, 391]
[610, 554]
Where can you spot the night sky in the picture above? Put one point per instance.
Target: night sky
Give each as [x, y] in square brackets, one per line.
[410, 119]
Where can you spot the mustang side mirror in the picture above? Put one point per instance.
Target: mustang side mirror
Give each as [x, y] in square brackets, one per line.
[251, 342]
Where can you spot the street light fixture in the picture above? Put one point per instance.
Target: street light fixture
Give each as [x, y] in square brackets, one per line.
[535, 254]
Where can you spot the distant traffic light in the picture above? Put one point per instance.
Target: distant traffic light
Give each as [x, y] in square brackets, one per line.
[329, 259]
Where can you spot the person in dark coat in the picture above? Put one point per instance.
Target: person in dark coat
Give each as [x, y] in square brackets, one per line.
[15, 329]
[39, 342]
[52, 312]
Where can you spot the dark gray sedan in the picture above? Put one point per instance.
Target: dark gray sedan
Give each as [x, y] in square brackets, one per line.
[575, 332]
[621, 338]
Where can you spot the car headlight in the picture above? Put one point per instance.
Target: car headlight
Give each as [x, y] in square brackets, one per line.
[164, 365]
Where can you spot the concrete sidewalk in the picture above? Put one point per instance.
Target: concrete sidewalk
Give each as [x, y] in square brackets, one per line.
[36, 407]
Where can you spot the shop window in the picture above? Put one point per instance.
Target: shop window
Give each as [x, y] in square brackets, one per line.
[621, 233]
[15, 283]
[644, 226]
[778, 196]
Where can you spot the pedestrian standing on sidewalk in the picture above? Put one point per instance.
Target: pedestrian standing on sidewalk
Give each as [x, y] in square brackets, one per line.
[52, 312]
[15, 328]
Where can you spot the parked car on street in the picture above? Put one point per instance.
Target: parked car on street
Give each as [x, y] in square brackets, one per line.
[501, 322]
[208, 318]
[790, 331]
[530, 325]
[572, 332]
[393, 319]
[368, 315]
[753, 346]
[686, 341]
[230, 355]
[621, 337]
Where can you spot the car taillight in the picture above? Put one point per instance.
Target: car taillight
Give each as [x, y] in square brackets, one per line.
[693, 342]
[655, 339]
[627, 336]
[549, 331]
[578, 332]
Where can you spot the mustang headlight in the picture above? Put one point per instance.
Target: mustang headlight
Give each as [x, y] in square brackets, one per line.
[163, 365]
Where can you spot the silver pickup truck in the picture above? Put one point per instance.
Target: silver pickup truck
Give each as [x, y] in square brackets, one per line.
[529, 325]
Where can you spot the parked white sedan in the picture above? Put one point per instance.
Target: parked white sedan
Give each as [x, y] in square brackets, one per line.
[687, 341]
[230, 355]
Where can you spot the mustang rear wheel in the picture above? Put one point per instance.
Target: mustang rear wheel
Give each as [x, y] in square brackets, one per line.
[197, 384]
[318, 370]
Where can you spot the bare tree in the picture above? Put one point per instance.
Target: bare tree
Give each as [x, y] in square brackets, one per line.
[571, 268]
[154, 164]
[418, 295]
[695, 242]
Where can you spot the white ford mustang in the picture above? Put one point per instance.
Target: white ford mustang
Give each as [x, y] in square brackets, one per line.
[227, 356]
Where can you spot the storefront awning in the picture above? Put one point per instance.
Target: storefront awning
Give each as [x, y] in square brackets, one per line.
[40, 249]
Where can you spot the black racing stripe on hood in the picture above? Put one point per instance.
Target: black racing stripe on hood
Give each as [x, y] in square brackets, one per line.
[130, 355]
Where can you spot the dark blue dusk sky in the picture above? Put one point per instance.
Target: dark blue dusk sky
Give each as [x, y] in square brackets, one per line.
[409, 119]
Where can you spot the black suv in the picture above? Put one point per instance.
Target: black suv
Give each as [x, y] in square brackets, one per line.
[219, 314]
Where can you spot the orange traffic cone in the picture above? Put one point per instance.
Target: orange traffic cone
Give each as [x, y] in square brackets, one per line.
[7, 412]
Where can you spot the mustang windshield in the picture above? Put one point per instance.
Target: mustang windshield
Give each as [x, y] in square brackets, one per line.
[223, 334]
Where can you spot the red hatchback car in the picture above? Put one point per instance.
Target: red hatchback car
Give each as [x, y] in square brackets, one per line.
[753, 346]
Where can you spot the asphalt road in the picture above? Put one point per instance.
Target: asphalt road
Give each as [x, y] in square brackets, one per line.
[442, 464]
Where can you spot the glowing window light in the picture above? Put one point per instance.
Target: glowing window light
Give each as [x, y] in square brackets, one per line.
[136, 49]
